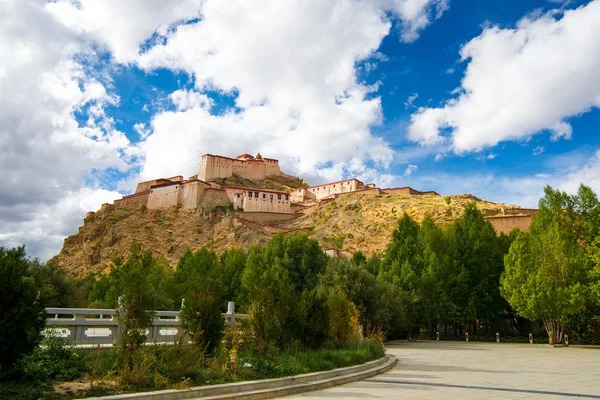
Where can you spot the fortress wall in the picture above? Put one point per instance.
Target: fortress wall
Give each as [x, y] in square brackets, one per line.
[136, 199]
[212, 166]
[374, 191]
[164, 196]
[403, 190]
[105, 207]
[215, 167]
[521, 211]
[505, 224]
[271, 167]
[191, 192]
[213, 198]
[262, 217]
[177, 178]
[301, 195]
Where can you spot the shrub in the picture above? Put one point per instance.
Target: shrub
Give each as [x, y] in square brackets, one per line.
[54, 359]
[343, 316]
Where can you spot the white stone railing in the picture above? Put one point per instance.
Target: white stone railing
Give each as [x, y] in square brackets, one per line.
[94, 327]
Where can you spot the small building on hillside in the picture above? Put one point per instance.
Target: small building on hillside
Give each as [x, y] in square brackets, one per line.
[327, 189]
[259, 200]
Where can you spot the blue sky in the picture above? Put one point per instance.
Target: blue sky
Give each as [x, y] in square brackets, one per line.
[491, 98]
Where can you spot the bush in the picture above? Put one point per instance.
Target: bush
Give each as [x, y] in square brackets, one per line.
[343, 315]
[54, 359]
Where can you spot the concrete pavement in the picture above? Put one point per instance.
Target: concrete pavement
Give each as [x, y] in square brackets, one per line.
[451, 370]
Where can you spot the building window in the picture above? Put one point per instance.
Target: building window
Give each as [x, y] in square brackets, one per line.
[287, 197]
[271, 197]
[256, 195]
[278, 197]
[264, 196]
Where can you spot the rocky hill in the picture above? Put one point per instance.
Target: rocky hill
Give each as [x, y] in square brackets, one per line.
[355, 221]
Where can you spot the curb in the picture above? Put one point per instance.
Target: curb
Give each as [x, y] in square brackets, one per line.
[269, 388]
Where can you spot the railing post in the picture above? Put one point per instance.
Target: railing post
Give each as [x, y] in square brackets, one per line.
[231, 314]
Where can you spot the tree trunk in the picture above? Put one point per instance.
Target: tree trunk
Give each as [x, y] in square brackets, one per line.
[549, 330]
[555, 329]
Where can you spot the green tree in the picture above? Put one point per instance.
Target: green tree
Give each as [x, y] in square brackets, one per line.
[316, 311]
[197, 281]
[273, 305]
[232, 264]
[134, 287]
[477, 258]
[22, 301]
[547, 268]
[379, 303]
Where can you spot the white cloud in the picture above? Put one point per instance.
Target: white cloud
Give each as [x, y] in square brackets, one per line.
[523, 190]
[538, 150]
[291, 67]
[296, 93]
[45, 155]
[414, 14]
[186, 99]
[409, 102]
[121, 27]
[490, 156]
[410, 169]
[51, 222]
[439, 157]
[521, 81]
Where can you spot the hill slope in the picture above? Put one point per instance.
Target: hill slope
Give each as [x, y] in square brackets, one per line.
[351, 222]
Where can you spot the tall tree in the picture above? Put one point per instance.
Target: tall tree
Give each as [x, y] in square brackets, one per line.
[196, 280]
[547, 268]
[478, 260]
[134, 286]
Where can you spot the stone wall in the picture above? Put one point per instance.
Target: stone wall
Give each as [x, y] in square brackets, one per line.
[263, 217]
[214, 198]
[215, 167]
[164, 196]
[136, 199]
[374, 191]
[505, 224]
[301, 195]
[191, 193]
[402, 190]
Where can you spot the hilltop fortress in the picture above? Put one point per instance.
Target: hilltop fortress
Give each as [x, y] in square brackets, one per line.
[207, 189]
[231, 203]
[244, 165]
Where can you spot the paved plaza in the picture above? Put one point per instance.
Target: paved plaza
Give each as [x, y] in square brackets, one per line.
[455, 370]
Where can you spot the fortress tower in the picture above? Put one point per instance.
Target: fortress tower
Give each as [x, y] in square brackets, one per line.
[245, 165]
